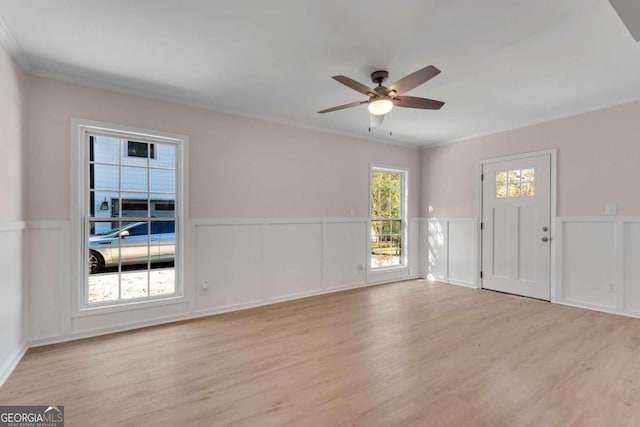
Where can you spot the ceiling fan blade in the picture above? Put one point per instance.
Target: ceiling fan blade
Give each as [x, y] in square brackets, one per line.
[414, 80]
[376, 120]
[342, 107]
[415, 102]
[357, 86]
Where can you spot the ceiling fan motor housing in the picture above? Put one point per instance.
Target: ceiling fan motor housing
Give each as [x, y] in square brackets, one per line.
[379, 76]
[380, 90]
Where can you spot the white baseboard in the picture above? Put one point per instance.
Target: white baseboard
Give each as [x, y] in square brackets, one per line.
[271, 301]
[347, 286]
[460, 283]
[7, 368]
[198, 314]
[594, 307]
[451, 282]
[39, 342]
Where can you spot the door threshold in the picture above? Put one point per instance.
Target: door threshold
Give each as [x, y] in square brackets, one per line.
[515, 295]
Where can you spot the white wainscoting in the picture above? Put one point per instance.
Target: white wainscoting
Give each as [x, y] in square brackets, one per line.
[344, 254]
[450, 250]
[48, 279]
[13, 337]
[229, 264]
[292, 260]
[233, 264]
[599, 263]
[597, 259]
[245, 263]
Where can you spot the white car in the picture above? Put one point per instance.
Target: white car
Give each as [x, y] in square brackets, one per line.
[133, 244]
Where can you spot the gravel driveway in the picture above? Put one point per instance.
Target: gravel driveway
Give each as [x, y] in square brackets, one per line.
[104, 287]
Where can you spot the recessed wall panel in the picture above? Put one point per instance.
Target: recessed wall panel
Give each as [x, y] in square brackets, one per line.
[345, 254]
[292, 259]
[229, 264]
[632, 266]
[589, 263]
[437, 243]
[461, 251]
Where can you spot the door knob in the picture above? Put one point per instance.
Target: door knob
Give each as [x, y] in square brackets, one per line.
[545, 239]
[545, 228]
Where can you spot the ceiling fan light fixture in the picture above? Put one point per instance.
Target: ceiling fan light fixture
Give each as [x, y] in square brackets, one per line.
[380, 106]
[382, 99]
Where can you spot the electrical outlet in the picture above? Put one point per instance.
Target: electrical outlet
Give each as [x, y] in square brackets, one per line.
[360, 268]
[611, 288]
[205, 285]
[611, 208]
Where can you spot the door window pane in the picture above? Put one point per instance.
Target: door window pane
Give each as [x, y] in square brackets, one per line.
[516, 183]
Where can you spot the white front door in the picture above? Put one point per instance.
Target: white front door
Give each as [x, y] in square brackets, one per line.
[516, 221]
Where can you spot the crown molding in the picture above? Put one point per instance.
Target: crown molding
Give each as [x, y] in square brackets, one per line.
[538, 121]
[102, 85]
[16, 52]
[7, 40]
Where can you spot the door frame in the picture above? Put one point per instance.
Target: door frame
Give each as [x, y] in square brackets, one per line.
[552, 153]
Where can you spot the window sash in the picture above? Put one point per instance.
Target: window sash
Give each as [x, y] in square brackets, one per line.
[90, 191]
[390, 233]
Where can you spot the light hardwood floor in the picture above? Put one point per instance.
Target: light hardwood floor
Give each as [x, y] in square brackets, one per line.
[410, 353]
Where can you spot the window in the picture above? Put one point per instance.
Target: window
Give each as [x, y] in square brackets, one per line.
[130, 204]
[516, 183]
[388, 207]
[139, 230]
[163, 227]
[165, 206]
[141, 149]
[134, 205]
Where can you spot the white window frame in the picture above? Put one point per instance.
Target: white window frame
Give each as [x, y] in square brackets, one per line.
[80, 132]
[404, 208]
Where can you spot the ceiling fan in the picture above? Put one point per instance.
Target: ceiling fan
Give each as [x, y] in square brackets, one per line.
[382, 99]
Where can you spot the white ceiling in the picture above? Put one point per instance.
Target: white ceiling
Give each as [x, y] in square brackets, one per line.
[505, 63]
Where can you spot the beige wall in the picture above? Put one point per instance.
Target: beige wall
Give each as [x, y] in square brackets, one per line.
[598, 160]
[240, 167]
[12, 125]
[12, 111]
